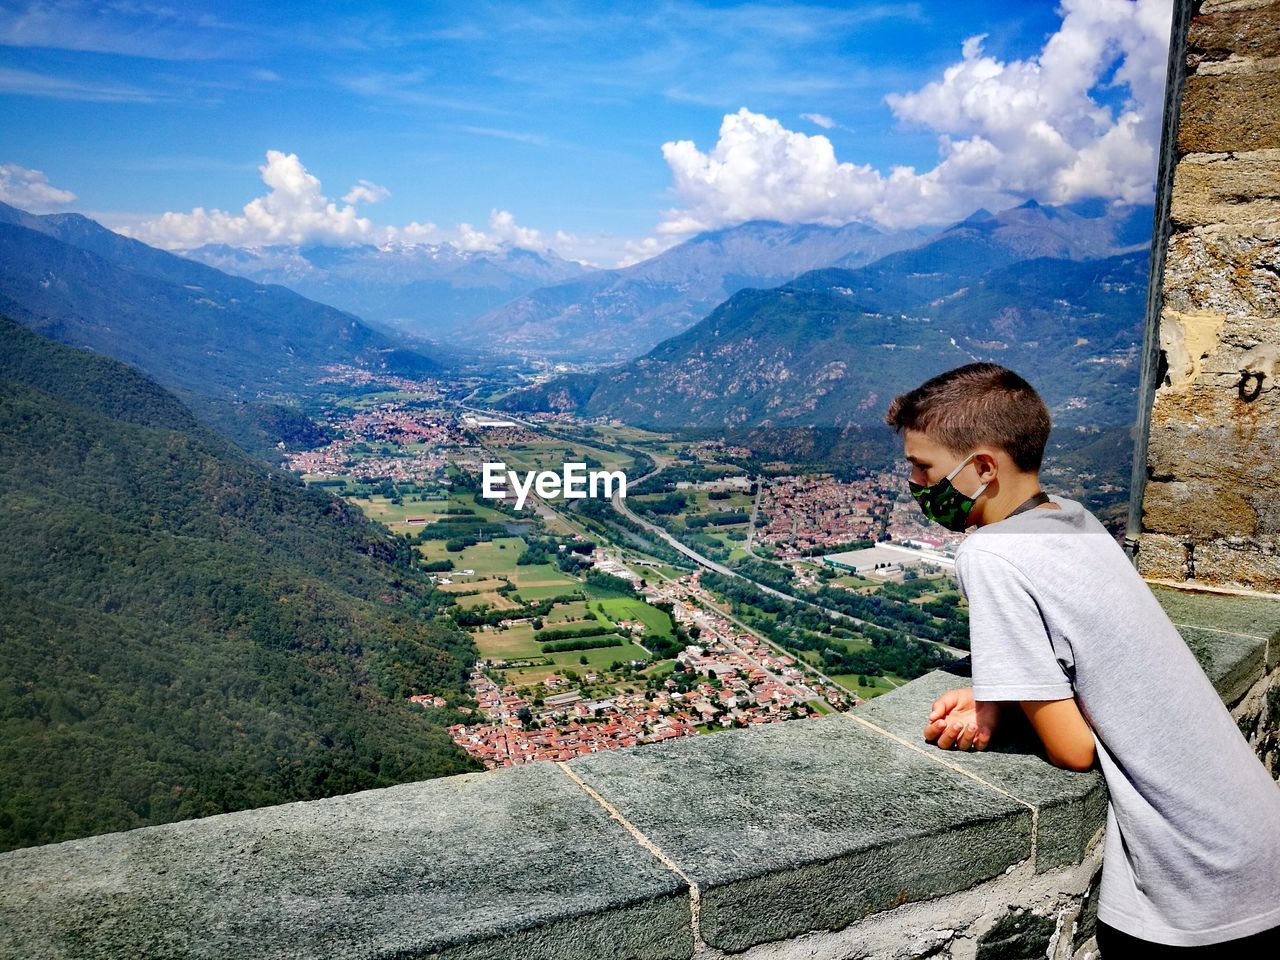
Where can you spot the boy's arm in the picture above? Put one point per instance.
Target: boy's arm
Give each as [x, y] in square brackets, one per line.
[1062, 729]
[1015, 659]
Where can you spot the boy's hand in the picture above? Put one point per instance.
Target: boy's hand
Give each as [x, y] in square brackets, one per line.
[958, 721]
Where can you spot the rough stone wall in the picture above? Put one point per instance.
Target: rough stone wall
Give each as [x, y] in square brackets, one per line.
[1018, 916]
[1211, 505]
[1258, 714]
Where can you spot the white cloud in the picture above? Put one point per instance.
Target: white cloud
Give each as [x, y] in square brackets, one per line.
[295, 211]
[30, 190]
[502, 231]
[1006, 131]
[29, 83]
[366, 192]
[760, 170]
[821, 119]
[292, 211]
[417, 233]
[645, 248]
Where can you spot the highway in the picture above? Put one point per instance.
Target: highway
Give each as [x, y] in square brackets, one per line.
[709, 564]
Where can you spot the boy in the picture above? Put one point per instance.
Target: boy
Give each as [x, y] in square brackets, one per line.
[1064, 628]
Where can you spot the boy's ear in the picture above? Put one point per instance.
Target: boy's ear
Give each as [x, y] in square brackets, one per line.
[985, 462]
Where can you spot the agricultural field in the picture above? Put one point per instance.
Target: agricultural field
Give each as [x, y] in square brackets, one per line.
[531, 589]
[874, 687]
[701, 502]
[855, 582]
[657, 622]
[485, 558]
[431, 507]
[622, 433]
[563, 613]
[598, 660]
[554, 453]
[737, 548]
[496, 600]
[603, 608]
[369, 401]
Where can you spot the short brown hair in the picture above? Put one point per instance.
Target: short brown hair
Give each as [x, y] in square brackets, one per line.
[979, 403]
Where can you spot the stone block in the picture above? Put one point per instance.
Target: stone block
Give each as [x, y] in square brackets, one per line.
[1227, 271]
[808, 825]
[1162, 556]
[1233, 662]
[1072, 806]
[1230, 6]
[516, 863]
[1017, 935]
[1257, 617]
[1197, 509]
[1229, 112]
[1240, 563]
[1212, 450]
[1226, 188]
[1248, 32]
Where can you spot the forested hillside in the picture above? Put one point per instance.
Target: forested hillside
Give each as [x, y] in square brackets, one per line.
[183, 632]
[187, 325]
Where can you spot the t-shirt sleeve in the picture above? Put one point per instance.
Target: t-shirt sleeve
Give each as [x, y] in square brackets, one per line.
[1013, 657]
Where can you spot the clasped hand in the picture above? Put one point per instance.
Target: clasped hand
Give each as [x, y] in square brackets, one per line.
[957, 721]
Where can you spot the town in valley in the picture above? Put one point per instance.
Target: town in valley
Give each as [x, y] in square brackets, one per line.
[721, 592]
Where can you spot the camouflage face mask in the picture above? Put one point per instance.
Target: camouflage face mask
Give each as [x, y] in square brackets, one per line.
[942, 503]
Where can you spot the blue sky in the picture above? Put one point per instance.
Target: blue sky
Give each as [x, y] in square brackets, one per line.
[556, 113]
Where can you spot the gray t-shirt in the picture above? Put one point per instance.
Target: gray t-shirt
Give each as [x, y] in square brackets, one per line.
[1056, 609]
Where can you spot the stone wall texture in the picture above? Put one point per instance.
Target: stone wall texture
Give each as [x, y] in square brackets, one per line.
[1211, 504]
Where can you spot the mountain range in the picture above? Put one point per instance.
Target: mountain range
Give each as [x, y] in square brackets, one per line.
[537, 304]
[612, 315]
[190, 326]
[432, 291]
[1056, 293]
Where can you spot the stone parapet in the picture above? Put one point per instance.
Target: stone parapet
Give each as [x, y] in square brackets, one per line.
[844, 836]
